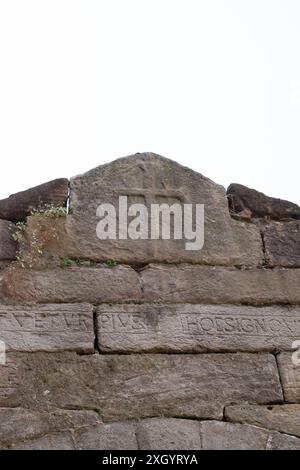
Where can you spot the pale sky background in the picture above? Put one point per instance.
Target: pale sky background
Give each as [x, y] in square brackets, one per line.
[212, 84]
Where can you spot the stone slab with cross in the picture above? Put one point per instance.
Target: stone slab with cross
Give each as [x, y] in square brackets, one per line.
[149, 179]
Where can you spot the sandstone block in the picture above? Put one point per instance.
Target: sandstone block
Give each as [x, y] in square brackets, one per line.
[217, 435]
[196, 328]
[282, 244]
[243, 199]
[150, 179]
[56, 441]
[19, 424]
[282, 418]
[75, 284]
[50, 327]
[227, 436]
[220, 285]
[18, 206]
[112, 436]
[138, 386]
[278, 441]
[290, 377]
[170, 434]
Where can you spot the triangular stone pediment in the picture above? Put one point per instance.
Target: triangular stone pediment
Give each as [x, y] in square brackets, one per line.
[147, 179]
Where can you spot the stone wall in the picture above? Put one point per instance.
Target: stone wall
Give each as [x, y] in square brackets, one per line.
[143, 344]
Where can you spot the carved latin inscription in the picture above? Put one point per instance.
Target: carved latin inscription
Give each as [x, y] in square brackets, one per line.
[47, 327]
[9, 380]
[44, 320]
[197, 328]
[259, 325]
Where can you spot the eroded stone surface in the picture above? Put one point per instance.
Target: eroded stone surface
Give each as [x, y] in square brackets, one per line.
[75, 284]
[217, 435]
[112, 436]
[148, 434]
[196, 328]
[217, 285]
[242, 199]
[171, 434]
[290, 376]
[137, 386]
[50, 327]
[8, 246]
[17, 206]
[20, 424]
[282, 418]
[55, 441]
[150, 179]
[278, 441]
[282, 244]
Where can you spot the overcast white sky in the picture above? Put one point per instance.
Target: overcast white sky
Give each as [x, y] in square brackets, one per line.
[212, 84]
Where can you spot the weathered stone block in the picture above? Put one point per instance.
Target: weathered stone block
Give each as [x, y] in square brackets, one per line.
[282, 244]
[170, 434]
[242, 199]
[282, 418]
[42, 427]
[228, 436]
[75, 284]
[63, 430]
[290, 377]
[196, 328]
[136, 386]
[8, 246]
[217, 435]
[278, 441]
[49, 327]
[150, 179]
[112, 436]
[217, 285]
[19, 424]
[55, 441]
[17, 206]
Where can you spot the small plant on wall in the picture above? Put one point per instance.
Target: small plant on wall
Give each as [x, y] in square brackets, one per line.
[41, 229]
